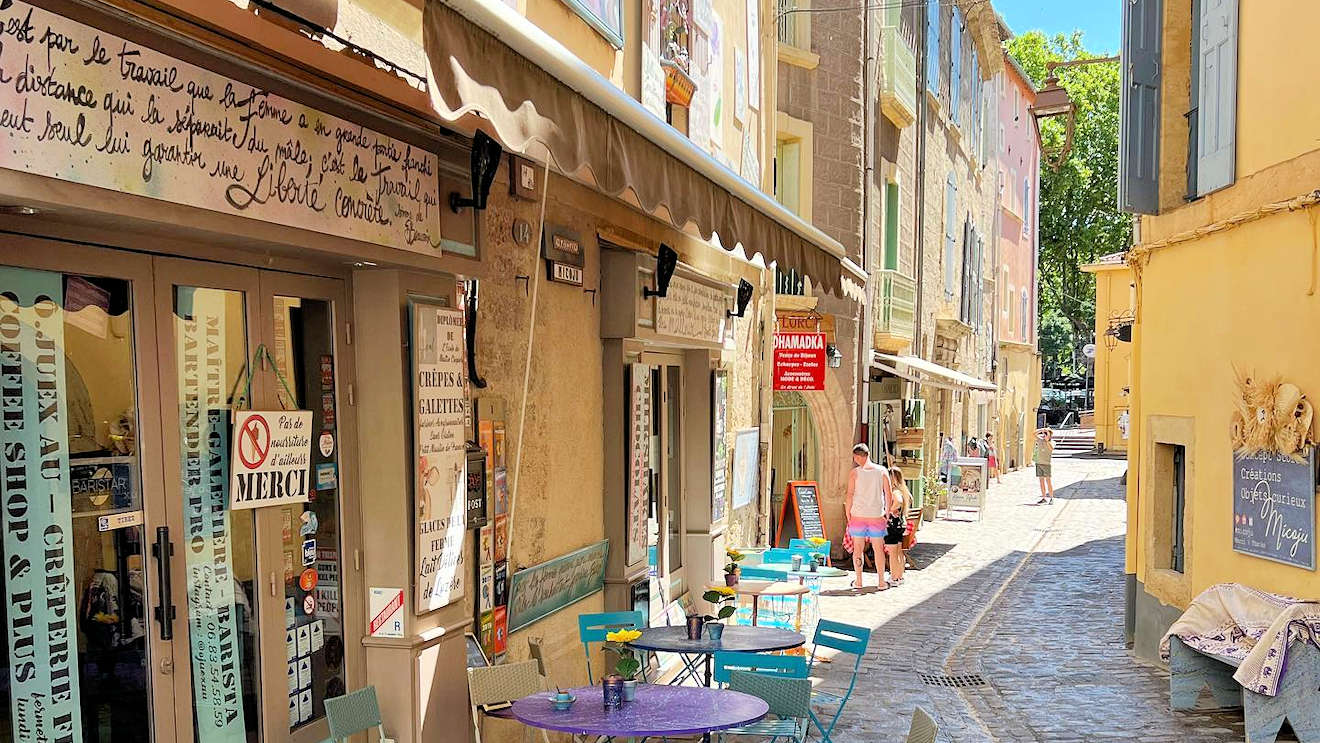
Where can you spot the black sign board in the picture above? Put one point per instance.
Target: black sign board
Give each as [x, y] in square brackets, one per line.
[476, 487]
[800, 513]
[1274, 508]
[563, 255]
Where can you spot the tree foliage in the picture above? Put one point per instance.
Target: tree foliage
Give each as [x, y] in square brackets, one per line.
[1079, 217]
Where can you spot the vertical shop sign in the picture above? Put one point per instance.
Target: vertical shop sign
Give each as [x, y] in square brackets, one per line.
[439, 426]
[42, 634]
[719, 475]
[639, 461]
[204, 453]
[799, 361]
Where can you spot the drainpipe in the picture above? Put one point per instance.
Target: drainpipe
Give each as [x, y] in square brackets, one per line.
[867, 326]
[919, 221]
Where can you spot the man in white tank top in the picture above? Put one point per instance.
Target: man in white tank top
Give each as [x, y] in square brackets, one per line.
[866, 507]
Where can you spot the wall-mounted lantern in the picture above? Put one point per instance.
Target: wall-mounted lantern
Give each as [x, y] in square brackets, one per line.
[665, 263]
[745, 289]
[1052, 101]
[486, 154]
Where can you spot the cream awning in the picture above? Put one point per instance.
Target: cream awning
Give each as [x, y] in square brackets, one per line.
[929, 373]
[540, 99]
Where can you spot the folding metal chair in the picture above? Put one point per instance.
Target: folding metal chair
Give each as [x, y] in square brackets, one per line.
[845, 638]
[592, 628]
[727, 662]
[789, 700]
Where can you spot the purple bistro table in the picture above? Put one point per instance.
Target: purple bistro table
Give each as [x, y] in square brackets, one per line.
[658, 711]
[736, 637]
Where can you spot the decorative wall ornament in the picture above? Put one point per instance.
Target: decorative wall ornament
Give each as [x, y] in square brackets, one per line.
[1271, 416]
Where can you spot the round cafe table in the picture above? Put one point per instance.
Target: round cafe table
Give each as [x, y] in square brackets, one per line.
[762, 588]
[658, 711]
[698, 652]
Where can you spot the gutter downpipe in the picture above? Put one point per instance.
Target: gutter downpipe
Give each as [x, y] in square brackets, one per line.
[919, 208]
[542, 50]
[862, 412]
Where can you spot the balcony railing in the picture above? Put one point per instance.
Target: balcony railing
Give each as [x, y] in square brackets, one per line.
[791, 283]
[895, 311]
[898, 89]
[792, 26]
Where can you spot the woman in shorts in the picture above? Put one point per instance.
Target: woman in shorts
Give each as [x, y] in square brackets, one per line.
[896, 526]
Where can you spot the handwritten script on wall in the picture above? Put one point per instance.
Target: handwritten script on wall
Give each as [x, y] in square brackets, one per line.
[82, 105]
[692, 310]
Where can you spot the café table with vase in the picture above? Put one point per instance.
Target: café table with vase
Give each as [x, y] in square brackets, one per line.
[657, 711]
[696, 653]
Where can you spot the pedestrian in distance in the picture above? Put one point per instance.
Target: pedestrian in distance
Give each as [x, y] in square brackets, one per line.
[899, 503]
[948, 453]
[993, 457]
[866, 508]
[1044, 460]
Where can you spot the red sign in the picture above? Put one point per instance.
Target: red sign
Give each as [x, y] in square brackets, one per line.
[799, 361]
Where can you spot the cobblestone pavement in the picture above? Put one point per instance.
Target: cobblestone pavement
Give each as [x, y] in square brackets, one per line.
[1031, 599]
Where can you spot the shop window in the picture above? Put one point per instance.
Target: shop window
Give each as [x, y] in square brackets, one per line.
[1169, 483]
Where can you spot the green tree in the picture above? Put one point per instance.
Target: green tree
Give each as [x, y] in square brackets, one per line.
[1079, 216]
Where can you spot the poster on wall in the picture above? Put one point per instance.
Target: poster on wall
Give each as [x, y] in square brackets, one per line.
[541, 590]
[38, 529]
[719, 406]
[739, 85]
[440, 411]
[1274, 507]
[653, 82]
[754, 52]
[746, 467]
[715, 80]
[639, 461]
[799, 361]
[129, 118]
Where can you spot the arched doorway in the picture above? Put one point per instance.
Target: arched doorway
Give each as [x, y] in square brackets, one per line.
[794, 448]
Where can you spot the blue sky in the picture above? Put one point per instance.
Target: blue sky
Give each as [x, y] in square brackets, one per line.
[1099, 19]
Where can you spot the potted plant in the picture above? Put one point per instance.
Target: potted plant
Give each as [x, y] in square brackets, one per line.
[722, 597]
[626, 663]
[816, 559]
[732, 558]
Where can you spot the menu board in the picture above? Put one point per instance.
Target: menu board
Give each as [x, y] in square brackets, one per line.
[639, 460]
[1274, 507]
[800, 513]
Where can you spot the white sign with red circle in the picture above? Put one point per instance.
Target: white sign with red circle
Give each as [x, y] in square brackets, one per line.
[271, 458]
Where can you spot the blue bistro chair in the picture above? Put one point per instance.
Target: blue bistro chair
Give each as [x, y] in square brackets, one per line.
[353, 713]
[845, 638]
[778, 555]
[727, 662]
[763, 572]
[592, 628]
[807, 547]
[789, 700]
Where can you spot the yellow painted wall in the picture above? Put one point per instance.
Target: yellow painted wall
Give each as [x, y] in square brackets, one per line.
[1112, 382]
[1015, 404]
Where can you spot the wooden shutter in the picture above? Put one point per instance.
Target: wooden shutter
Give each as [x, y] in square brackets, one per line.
[933, 46]
[968, 272]
[1139, 135]
[1217, 95]
[955, 66]
[950, 244]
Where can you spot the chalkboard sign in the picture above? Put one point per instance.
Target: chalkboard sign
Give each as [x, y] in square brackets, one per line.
[476, 487]
[1274, 507]
[800, 512]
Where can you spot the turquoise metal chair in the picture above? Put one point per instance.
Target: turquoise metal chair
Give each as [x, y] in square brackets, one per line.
[728, 662]
[802, 544]
[763, 572]
[592, 628]
[845, 638]
[789, 700]
[780, 555]
[353, 713]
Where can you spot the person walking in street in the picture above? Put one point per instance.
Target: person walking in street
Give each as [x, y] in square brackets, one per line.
[948, 453]
[1044, 460]
[866, 508]
[899, 503]
[993, 457]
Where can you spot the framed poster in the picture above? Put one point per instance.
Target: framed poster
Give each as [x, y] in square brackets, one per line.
[639, 461]
[440, 413]
[719, 458]
[1274, 507]
[537, 592]
[606, 16]
[746, 467]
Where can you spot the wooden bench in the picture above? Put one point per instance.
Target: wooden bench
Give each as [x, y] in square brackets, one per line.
[1298, 699]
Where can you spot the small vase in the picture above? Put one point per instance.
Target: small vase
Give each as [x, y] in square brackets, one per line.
[797, 562]
[730, 579]
[811, 566]
[612, 691]
[694, 626]
[715, 630]
[630, 690]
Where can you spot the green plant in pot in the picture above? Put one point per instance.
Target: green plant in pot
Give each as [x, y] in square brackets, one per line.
[732, 558]
[817, 559]
[626, 662]
[724, 598]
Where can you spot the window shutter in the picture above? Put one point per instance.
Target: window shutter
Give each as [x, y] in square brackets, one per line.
[955, 66]
[950, 204]
[1217, 90]
[1138, 179]
[968, 270]
[933, 46]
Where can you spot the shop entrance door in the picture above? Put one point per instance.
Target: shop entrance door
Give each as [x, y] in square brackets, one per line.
[665, 525]
[261, 622]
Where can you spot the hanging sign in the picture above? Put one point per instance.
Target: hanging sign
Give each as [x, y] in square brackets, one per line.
[799, 361]
[440, 414]
[38, 533]
[271, 459]
[1274, 507]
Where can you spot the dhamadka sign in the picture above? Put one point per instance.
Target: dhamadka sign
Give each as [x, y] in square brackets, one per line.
[799, 361]
[271, 458]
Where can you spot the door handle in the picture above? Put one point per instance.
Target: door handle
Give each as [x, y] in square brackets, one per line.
[162, 550]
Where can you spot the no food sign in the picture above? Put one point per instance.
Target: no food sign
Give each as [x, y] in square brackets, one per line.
[272, 452]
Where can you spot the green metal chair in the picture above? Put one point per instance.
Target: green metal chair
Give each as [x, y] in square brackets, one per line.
[924, 729]
[353, 713]
[789, 700]
[845, 638]
[728, 662]
[592, 628]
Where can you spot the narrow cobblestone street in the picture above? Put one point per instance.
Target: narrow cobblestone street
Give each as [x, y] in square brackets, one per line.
[1031, 600]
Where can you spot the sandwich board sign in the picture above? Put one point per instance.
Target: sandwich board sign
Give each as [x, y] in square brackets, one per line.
[272, 456]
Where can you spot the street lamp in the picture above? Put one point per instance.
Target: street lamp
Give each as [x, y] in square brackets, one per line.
[1053, 101]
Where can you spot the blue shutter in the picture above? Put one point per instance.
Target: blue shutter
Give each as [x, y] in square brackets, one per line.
[1139, 130]
[974, 97]
[1217, 89]
[933, 46]
[955, 65]
[950, 242]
